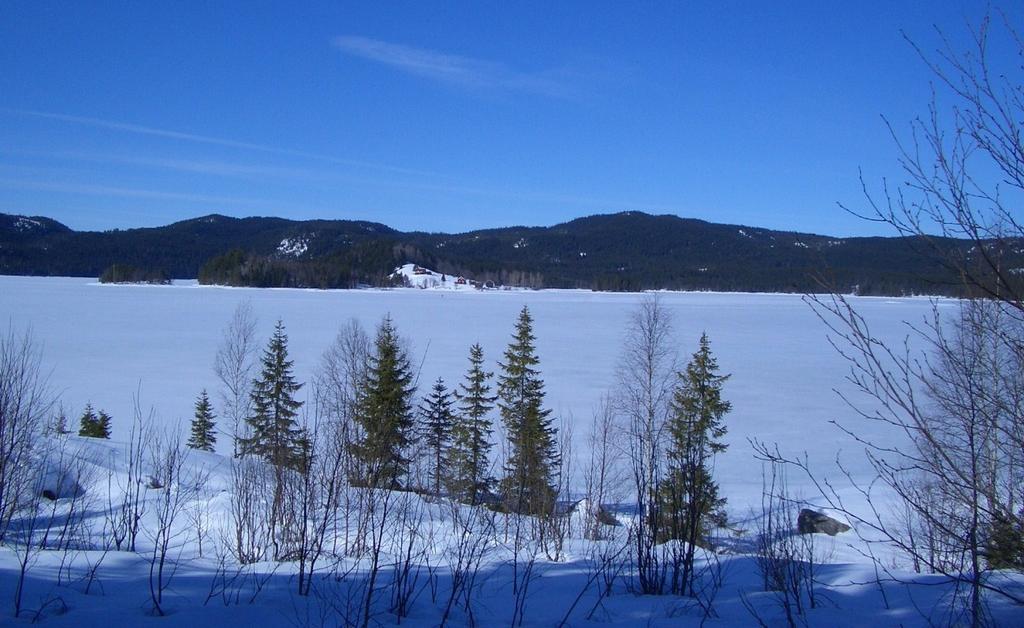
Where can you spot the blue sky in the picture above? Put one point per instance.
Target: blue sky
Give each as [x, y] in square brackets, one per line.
[450, 116]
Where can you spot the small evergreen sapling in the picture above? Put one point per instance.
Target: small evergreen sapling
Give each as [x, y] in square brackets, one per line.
[203, 436]
[92, 425]
[60, 424]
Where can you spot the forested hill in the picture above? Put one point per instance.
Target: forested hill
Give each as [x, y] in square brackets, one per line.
[625, 251]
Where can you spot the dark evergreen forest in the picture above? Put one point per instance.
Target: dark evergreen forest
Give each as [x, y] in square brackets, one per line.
[625, 251]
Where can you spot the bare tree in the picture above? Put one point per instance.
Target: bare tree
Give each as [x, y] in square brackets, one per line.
[336, 386]
[319, 493]
[963, 165]
[958, 402]
[25, 404]
[957, 406]
[342, 371]
[604, 477]
[555, 527]
[646, 371]
[233, 365]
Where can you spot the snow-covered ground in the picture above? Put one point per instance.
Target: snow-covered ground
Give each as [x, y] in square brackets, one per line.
[105, 343]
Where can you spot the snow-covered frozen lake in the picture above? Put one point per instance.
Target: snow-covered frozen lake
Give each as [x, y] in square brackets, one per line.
[102, 343]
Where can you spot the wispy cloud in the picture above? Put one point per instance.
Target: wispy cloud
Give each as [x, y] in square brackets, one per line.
[197, 166]
[106, 190]
[457, 69]
[138, 129]
[62, 181]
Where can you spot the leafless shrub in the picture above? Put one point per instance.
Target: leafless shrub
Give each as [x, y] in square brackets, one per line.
[250, 510]
[178, 485]
[409, 547]
[126, 514]
[786, 560]
[473, 530]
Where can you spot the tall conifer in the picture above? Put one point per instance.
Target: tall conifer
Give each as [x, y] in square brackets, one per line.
[276, 436]
[689, 500]
[528, 485]
[384, 412]
[435, 433]
[471, 435]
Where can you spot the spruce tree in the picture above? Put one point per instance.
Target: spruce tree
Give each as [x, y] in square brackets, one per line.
[471, 436]
[276, 436]
[528, 485]
[384, 412]
[60, 424]
[435, 433]
[203, 436]
[103, 425]
[87, 424]
[92, 425]
[689, 502]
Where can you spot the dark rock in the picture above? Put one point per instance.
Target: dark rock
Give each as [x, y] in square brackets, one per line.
[812, 521]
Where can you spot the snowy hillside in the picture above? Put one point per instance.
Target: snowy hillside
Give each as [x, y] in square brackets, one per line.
[415, 276]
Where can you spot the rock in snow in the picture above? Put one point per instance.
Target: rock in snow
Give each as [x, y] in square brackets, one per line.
[811, 521]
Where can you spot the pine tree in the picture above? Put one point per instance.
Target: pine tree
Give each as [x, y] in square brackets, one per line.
[471, 436]
[689, 500]
[276, 436]
[528, 485]
[435, 433]
[92, 425]
[203, 436]
[384, 412]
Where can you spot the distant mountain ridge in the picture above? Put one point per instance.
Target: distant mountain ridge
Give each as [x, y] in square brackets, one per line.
[623, 251]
